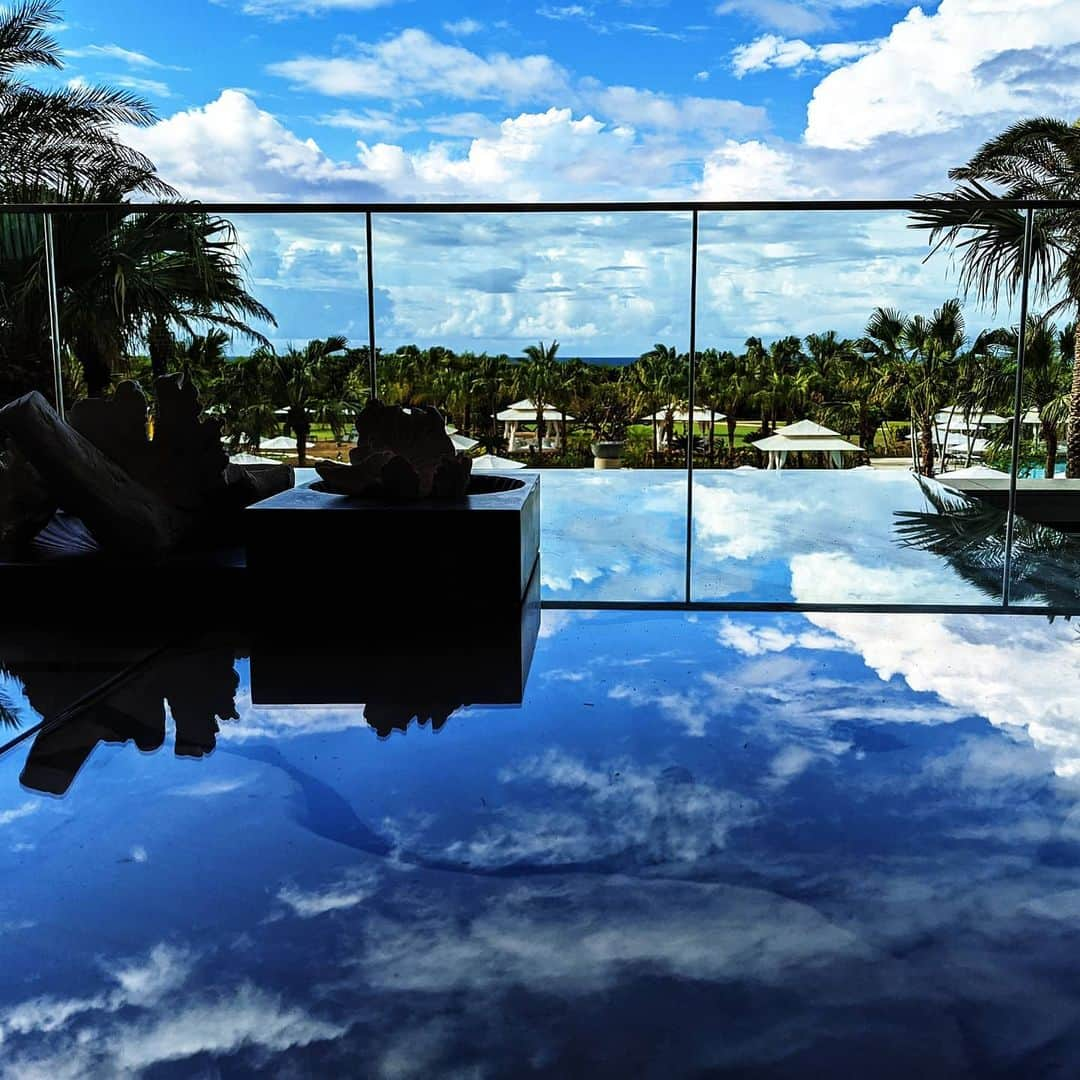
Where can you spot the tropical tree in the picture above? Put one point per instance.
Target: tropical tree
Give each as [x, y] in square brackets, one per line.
[490, 377]
[727, 383]
[918, 355]
[539, 378]
[295, 384]
[55, 141]
[663, 375]
[1037, 158]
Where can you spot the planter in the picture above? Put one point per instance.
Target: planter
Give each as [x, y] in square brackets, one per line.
[399, 566]
[607, 455]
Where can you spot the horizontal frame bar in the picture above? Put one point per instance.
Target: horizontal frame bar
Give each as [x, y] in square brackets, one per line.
[782, 606]
[660, 206]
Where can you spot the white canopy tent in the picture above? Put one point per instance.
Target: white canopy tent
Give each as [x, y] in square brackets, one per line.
[805, 437]
[524, 412]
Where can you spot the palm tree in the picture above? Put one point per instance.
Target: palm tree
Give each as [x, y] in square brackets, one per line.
[664, 376]
[538, 378]
[850, 382]
[295, 383]
[918, 356]
[1037, 158]
[137, 277]
[52, 141]
[490, 376]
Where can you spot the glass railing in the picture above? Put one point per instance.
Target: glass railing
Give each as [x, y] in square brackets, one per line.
[697, 516]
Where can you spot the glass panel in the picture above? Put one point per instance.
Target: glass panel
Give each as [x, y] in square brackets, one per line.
[475, 305]
[838, 323]
[25, 342]
[1045, 561]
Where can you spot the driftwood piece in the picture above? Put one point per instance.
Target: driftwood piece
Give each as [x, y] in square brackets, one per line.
[122, 514]
[401, 454]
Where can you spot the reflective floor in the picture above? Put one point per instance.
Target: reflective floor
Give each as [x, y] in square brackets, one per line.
[752, 845]
[806, 536]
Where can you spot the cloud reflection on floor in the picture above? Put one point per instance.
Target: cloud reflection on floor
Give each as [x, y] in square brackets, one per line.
[771, 844]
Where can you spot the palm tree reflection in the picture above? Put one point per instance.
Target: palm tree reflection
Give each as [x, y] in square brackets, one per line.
[970, 535]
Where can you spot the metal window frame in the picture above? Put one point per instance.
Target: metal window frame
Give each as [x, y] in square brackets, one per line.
[694, 209]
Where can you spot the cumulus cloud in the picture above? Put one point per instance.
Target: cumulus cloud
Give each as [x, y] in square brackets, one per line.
[771, 51]
[931, 74]
[232, 149]
[964, 660]
[415, 63]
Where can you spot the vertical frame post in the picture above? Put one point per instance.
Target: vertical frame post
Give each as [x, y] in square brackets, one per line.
[692, 391]
[1021, 355]
[54, 316]
[373, 373]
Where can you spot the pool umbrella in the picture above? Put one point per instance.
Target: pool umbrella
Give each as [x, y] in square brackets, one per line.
[493, 461]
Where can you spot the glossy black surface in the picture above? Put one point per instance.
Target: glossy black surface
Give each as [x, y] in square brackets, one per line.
[729, 845]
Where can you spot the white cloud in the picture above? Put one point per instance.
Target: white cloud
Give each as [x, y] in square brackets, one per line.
[415, 63]
[124, 56]
[287, 9]
[792, 16]
[339, 896]
[163, 970]
[604, 810]
[750, 640]
[975, 665]
[148, 1017]
[755, 170]
[701, 76]
[646, 108]
[565, 11]
[151, 87]
[232, 149]
[463, 27]
[533, 156]
[771, 51]
[933, 73]
[25, 810]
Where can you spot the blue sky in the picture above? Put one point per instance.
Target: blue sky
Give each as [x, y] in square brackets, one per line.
[616, 99]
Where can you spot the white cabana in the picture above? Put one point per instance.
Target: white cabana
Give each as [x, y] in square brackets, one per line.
[524, 412]
[252, 459]
[703, 415]
[281, 444]
[805, 437]
[463, 442]
[490, 462]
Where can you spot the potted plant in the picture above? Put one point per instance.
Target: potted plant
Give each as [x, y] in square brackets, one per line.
[609, 414]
